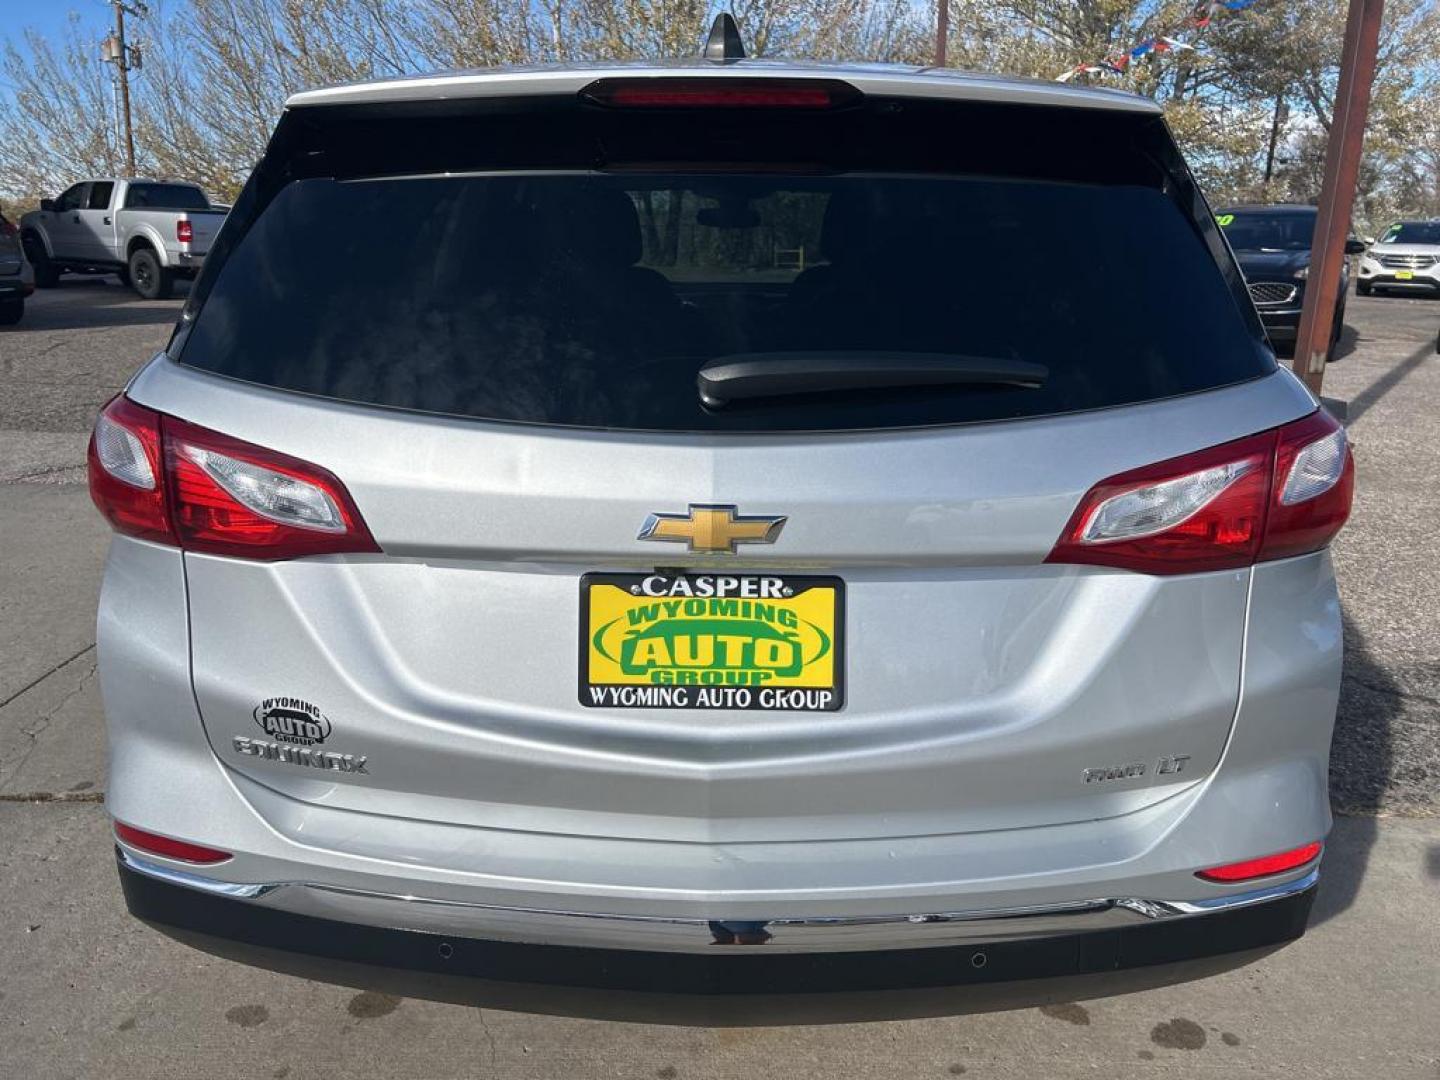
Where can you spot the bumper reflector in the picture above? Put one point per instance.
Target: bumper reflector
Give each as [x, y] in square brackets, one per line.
[164, 845]
[1263, 866]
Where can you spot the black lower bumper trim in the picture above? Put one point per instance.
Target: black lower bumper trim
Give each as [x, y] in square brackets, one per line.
[744, 970]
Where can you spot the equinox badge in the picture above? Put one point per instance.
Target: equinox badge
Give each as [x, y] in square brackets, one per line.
[710, 528]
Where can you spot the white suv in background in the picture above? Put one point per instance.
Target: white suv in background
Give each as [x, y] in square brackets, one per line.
[1406, 257]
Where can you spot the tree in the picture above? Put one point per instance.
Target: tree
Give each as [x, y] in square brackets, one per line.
[58, 83]
[1251, 104]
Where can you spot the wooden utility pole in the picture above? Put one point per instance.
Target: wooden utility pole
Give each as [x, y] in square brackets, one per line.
[123, 63]
[1337, 191]
[126, 59]
[942, 31]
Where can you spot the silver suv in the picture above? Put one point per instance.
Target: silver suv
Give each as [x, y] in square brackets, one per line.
[753, 511]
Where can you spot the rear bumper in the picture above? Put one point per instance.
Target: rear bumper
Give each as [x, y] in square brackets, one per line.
[681, 955]
[350, 876]
[12, 288]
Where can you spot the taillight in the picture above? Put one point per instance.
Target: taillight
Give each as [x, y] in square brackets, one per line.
[720, 93]
[1265, 866]
[167, 480]
[1283, 492]
[126, 471]
[1314, 486]
[156, 844]
[184, 232]
[234, 498]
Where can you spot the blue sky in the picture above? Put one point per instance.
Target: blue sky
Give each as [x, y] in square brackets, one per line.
[49, 17]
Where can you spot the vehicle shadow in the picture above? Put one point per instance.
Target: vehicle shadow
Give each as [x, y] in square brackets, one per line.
[1349, 339]
[81, 303]
[757, 1009]
[1361, 762]
[1366, 399]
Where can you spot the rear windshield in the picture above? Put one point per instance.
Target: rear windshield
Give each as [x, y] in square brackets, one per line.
[165, 197]
[592, 297]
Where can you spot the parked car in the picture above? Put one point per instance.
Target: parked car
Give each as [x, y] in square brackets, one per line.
[573, 582]
[1272, 245]
[1406, 259]
[16, 278]
[150, 232]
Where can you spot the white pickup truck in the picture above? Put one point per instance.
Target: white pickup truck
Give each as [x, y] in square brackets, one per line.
[150, 232]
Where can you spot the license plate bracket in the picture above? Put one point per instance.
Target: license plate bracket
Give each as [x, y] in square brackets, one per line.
[771, 642]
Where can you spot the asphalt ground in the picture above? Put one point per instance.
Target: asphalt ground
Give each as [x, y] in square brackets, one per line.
[85, 991]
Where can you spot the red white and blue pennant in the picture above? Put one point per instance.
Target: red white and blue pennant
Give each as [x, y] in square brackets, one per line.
[1118, 61]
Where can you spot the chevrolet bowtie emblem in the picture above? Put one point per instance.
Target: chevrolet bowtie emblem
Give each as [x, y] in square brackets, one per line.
[711, 528]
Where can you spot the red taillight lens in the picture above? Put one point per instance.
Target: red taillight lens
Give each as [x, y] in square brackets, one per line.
[184, 232]
[127, 479]
[1283, 492]
[1264, 866]
[720, 93]
[163, 479]
[1314, 487]
[171, 849]
[235, 498]
[1203, 511]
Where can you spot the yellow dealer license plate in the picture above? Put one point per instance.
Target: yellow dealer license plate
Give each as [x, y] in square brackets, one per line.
[712, 641]
[1403, 275]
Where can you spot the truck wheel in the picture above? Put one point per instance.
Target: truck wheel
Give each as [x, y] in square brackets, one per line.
[10, 312]
[147, 277]
[47, 275]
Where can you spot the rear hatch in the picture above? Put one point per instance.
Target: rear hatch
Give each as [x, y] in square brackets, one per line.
[598, 604]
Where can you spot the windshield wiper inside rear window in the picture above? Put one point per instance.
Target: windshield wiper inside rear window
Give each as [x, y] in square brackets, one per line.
[777, 374]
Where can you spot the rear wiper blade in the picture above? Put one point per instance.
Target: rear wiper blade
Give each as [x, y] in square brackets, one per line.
[776, 374]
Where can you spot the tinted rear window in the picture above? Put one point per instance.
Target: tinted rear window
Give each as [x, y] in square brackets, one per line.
[591, 297]
[165, 197]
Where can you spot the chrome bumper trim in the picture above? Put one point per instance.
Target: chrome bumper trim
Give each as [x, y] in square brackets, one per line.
[213, 886]
[653, 933]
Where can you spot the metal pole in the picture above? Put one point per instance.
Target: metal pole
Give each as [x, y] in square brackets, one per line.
[115, 105]
[1337, 191]
[123, 64]
[942, 31]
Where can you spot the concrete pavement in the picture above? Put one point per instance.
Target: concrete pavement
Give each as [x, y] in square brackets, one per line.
[100, 995]
[86, 991]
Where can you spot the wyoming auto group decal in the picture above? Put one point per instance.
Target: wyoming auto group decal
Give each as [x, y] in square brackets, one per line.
[296, 726]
